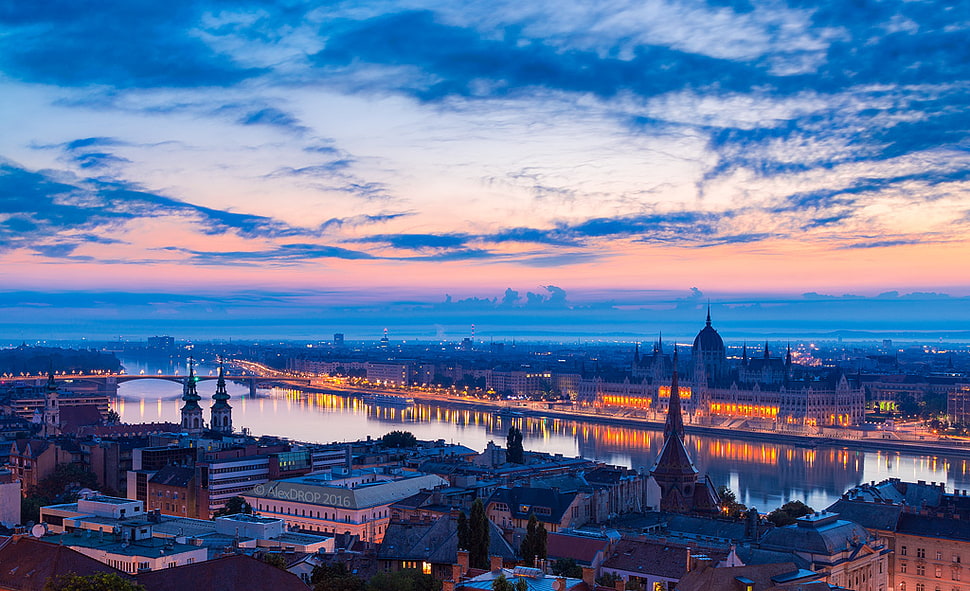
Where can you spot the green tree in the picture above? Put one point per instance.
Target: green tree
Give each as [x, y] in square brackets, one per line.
[478, 536]
[399, 439]
[235, 506]
[463, 535]
[730, 507]
[789, 512]
[63, 484]
[534, 543]
[335, 578]
[275, 559]
[409, 579]
[514, 453]
[567, 567]
[113, 418]
[95, 582]
[500, 583]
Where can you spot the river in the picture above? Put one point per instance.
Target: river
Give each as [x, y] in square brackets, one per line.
[764, 475]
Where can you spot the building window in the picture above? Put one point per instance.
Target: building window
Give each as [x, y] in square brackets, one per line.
[939, 572]
[920, 570]
[939, 555]
[954, 574]
[902, 566]
[956, 558]
[902, 550]
[921, 553]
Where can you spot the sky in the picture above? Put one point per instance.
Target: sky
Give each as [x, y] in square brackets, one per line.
[215, 165]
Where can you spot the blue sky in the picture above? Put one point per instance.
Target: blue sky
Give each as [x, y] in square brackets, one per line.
[192, 159]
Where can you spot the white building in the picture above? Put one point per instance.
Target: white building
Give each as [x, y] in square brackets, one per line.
[355, 502]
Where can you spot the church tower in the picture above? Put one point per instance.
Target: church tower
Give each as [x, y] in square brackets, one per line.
[52, 412]
[674, 470]
[191, 411]
[221, 417]
[681, 491]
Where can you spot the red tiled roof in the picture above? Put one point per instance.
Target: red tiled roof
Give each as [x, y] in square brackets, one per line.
[581, 549]
[231, 573]
[27, 563]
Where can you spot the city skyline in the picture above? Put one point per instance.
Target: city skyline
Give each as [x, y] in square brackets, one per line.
[556, 169]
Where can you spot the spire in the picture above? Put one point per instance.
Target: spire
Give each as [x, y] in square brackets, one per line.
[744, 353]
[189, 394]
[708, 313]
[660, 343]
[788, 355]
[675, 421]
[636, 355]
[51, 384]
[221, 396]
[766, 349]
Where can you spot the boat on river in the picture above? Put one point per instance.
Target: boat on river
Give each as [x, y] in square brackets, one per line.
[382, 399]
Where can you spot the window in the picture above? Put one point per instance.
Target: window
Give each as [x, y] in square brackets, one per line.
[902, 550]
[902, 566]
[956, 558]
[954, 574]
[938, 571]
[920, 570]
[939, 555]
[921, 553]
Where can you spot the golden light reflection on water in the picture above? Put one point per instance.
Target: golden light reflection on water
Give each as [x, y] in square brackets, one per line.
[765, 473]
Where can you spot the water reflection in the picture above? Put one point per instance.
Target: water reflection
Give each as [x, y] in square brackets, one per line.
[763, 474]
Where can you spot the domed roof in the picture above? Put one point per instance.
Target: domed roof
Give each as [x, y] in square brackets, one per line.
[708, 339]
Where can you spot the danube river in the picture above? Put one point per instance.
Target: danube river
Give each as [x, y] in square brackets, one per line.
[763, 474]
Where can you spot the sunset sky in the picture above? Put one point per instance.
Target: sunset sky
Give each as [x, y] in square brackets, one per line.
[211, 164]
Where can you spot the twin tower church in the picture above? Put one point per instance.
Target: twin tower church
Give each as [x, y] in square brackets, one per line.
[220, 412]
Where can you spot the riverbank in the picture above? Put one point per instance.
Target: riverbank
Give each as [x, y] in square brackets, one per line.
[497, 407]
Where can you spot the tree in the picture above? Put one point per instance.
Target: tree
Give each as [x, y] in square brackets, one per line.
[463, 534]
[63, 484]
[95, 582]
[730, 507]
[399, 439]
[534, 543]
[567, 567]
[235, 506]
[275, 559]
[335, 578]
[409, 579]
[789, 512]
[500, 583]
[478, 536]
[112, 418]
[514, 454]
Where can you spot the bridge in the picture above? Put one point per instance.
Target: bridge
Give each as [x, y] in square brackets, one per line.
[109, 383]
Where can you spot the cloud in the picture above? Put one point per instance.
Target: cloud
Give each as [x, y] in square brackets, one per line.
[130, 44]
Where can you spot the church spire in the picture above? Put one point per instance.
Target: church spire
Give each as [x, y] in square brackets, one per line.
[708, 313]
[191, 411]
[766, 349]
[675, 420]
[744, 353]
[788, 355]
[660, 343]
[636, 355]
[221, 412]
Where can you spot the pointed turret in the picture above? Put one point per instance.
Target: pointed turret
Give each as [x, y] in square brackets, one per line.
[708, 313]
[221, 412]
[660, 344]
[766, 350]
[675, 419]
[191, 411]
[788, 356]
[744, 353]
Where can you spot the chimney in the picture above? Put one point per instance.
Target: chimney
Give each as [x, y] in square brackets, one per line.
[447, 586]
[463, 561]
[495, 562]
[589, 576]
[620, 585]
[456, 573]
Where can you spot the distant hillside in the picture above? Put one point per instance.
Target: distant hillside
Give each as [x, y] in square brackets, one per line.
[40, 360]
